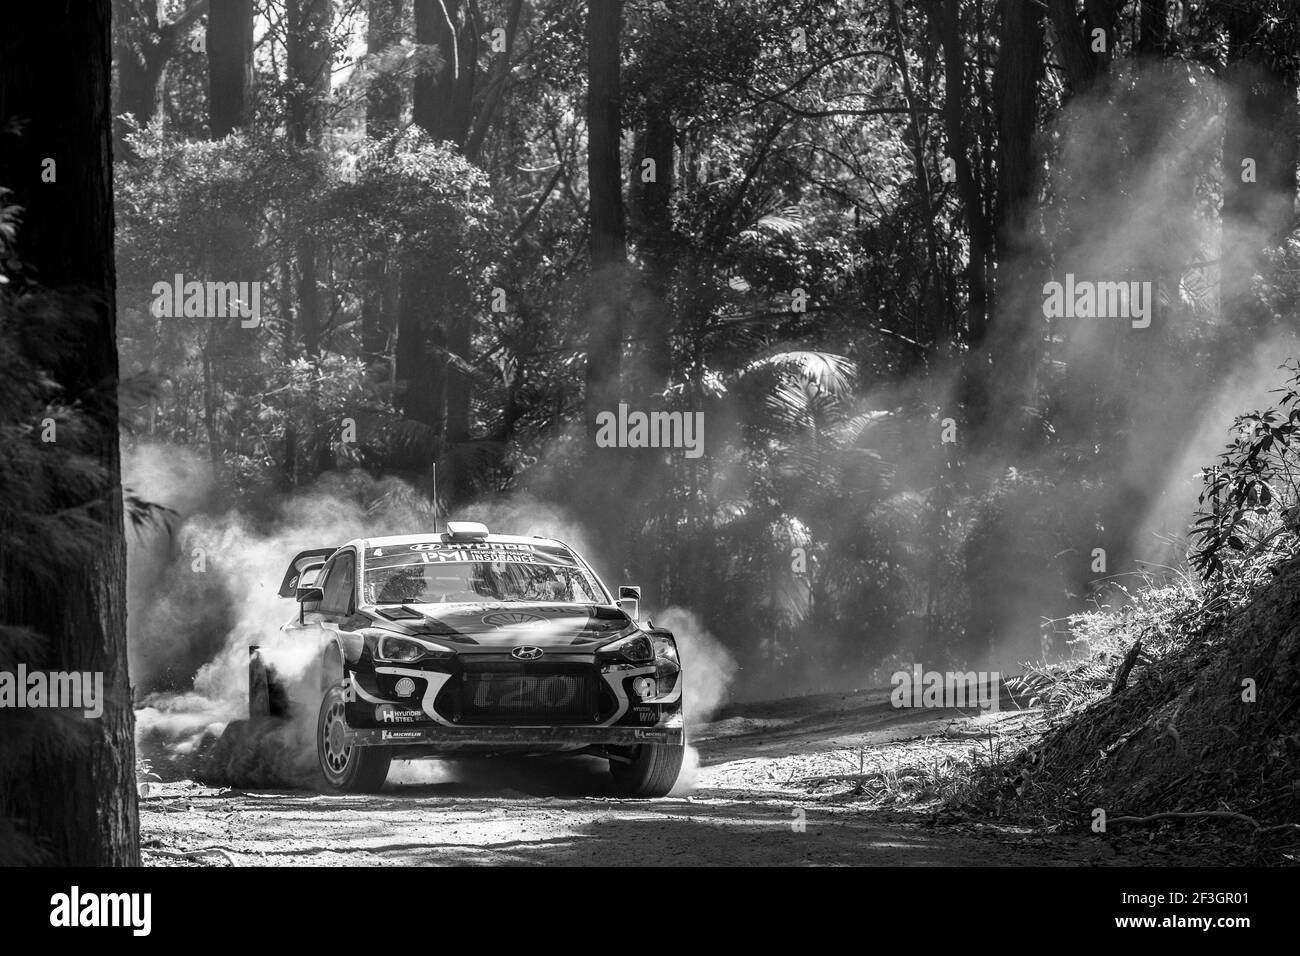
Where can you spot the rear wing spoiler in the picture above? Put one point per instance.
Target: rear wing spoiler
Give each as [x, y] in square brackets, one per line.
[303, 561]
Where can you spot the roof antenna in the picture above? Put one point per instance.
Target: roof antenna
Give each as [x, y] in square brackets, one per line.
[433, 470]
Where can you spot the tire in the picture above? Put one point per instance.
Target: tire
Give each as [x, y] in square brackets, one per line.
[652, 772]
[349, 769]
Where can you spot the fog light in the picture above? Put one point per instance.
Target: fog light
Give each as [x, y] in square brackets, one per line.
[644, 687]
[404, 687]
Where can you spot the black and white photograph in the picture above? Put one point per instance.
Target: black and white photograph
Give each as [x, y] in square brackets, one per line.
[748, 434]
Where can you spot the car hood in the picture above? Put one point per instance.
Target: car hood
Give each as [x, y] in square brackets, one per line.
[508, 624]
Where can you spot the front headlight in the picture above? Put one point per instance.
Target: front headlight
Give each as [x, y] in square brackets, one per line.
[635, 649]
[668, 666]
[665, 647]
[407, 650]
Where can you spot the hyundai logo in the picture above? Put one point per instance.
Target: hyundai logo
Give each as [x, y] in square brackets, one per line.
[526, 653]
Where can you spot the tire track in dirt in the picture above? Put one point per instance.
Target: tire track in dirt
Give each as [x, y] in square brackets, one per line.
[750, 806]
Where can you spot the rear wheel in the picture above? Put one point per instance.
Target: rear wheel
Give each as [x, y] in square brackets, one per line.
[651, 770]
[346, 766]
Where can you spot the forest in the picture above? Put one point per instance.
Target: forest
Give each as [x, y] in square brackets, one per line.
[964, 296]
[825, 226]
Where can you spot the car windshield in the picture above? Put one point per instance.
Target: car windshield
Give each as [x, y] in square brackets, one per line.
[481, 572]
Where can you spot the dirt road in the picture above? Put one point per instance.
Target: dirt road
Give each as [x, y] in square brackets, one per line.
[829, 780]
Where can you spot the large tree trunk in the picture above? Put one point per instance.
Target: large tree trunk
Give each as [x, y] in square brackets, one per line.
[1020, 67]
[55, 74]
[1153, 27]
[653, 201]
[607, 237]
[289, 352]
[307, 23]
[1015, 345]
[443, 97]
[384, 100]
[947, 14]
[308, 62]
[308, 65]
[435, 308]
[230, 65]
[930, 301]
[1075, 44]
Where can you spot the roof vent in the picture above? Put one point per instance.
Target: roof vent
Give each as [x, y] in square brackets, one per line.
[466, 531]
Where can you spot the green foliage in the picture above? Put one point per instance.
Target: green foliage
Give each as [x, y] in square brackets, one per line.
[235, 210]
[1250, 497]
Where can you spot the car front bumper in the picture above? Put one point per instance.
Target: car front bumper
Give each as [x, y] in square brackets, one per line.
[618, 736]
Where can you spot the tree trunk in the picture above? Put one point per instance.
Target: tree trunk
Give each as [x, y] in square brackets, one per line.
[384, 101]
[55, 73]
[968, 187]
[442, 104]
[308, 61]
[1153, 27]
[1075, 44]
[497, 86]
[930, 297]
[1019, 69]
[308, 66]
[307, 26]
[1016, 344]
[230, 65]
[142, 48]
[443, 96]
[289, 352]
[141, 64]
[654, 225]
[421, 344]
[607, 237]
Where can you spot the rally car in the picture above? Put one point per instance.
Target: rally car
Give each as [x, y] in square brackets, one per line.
[467, 642]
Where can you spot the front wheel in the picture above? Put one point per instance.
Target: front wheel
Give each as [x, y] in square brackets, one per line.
[651, 770]
[345, 766]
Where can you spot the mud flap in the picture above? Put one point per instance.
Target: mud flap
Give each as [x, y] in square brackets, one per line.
[267, 697]
[260, 752]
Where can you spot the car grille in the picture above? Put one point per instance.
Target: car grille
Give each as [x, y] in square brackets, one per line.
[521, 693]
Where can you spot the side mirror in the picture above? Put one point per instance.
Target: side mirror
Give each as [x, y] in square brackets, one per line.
[306, 597]
[629, 599]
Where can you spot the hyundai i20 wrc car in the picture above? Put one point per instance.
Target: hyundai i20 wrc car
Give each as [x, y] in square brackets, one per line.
[467, 642]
